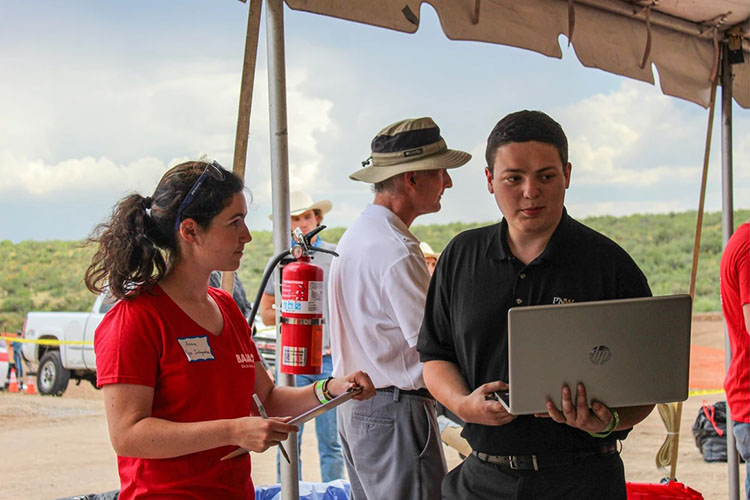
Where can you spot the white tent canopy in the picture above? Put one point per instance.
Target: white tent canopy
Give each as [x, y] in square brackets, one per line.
[621, 37]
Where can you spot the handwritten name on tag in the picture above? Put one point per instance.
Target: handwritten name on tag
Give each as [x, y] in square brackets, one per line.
[196, 348]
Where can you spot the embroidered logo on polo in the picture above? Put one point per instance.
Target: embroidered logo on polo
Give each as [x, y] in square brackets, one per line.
[562, 300]
[196, 348]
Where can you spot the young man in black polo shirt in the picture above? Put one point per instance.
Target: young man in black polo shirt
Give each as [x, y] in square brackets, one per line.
[536, 255]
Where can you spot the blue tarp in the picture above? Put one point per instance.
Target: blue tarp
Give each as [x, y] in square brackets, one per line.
[335, 490]
[110, 495]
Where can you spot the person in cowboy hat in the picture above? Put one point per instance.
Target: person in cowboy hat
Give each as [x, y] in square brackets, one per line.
[430, 257]
[307, 215]
[377, 289]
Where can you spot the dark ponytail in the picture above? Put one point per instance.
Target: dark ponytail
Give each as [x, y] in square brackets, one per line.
[135, 247]
[127, 253]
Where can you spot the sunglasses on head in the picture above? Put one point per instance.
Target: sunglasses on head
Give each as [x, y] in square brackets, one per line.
[213, 170]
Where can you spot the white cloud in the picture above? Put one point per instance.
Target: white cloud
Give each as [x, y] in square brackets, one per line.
[74, 178]
[309, 119]
[144, 124]
[604, 166]
[634, 137]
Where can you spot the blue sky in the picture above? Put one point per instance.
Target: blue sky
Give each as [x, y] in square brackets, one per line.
[99, 98]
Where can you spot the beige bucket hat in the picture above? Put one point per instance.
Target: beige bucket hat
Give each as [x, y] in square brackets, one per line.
[407, 145]
[300, 202]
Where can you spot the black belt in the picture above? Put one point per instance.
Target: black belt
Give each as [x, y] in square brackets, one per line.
[397, 393]
[537, 462]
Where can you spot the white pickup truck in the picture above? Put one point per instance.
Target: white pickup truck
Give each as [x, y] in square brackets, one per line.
[66, 349]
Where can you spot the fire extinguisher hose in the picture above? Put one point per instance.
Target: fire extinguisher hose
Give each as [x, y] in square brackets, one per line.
[266, 276]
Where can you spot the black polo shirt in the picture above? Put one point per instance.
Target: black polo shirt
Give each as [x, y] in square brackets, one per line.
[478, 279]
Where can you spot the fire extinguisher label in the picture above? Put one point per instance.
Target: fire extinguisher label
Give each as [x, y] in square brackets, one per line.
[295, 356]
[296, 298]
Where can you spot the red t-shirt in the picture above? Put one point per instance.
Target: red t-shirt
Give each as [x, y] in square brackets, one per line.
[735, 292]
[196, 376]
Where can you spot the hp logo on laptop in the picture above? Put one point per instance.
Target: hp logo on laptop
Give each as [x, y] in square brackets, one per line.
[600, 354]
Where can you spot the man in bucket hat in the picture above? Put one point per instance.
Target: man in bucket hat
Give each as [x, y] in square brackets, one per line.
[307, 215]
[377, 289]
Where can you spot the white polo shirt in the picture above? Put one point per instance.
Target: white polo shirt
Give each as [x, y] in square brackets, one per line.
[377, 291]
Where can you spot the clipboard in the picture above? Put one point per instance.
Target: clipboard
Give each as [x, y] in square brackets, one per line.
[308, 415]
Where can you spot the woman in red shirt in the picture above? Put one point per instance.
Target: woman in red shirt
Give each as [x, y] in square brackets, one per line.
[174, 357]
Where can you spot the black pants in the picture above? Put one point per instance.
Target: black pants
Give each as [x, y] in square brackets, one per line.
[600, 477]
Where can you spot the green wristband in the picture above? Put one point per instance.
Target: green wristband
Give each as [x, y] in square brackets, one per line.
[611, 427]
[320, 391]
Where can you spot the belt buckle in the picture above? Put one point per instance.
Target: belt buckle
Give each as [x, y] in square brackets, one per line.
[514, 465]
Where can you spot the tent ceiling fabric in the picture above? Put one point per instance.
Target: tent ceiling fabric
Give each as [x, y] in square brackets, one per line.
[611, 35]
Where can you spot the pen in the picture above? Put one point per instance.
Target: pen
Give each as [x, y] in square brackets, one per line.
[263, 414]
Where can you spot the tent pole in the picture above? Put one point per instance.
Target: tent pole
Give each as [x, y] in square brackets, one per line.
[246, 90]
[280, 200]
[694, 268]
[245, 105]
[727, 227]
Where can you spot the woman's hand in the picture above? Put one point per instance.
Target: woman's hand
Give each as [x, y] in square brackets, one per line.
[258, 434]
[338, 386]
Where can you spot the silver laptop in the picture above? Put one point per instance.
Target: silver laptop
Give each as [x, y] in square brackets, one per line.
[626, 352]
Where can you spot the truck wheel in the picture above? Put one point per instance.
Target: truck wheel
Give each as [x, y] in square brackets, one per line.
[52, 379]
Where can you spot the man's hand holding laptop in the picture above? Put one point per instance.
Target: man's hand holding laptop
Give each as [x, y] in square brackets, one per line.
[482, 406]
[598, 418]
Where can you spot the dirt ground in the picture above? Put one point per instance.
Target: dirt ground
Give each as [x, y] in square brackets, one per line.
[59, 447]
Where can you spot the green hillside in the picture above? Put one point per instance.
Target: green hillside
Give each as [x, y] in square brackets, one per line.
[47, 276]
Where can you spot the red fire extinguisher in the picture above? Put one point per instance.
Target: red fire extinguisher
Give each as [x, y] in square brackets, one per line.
[302, 307]
[302, 303]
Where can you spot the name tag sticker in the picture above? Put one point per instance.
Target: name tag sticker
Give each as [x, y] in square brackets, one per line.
[196, 348]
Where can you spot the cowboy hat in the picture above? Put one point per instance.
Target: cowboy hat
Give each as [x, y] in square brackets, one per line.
[405, 146]
[427, 250]
[300, 202]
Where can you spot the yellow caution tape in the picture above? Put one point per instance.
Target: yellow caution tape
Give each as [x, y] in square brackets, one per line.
[704, 392]
[47, 341]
